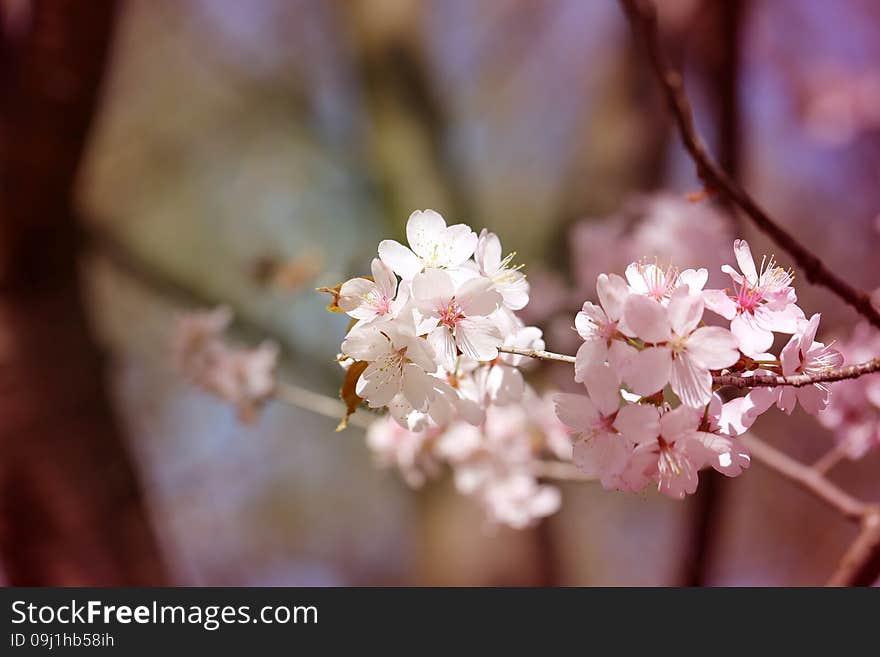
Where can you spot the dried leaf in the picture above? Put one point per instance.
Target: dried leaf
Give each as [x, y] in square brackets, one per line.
[347, 392]
[333, 306]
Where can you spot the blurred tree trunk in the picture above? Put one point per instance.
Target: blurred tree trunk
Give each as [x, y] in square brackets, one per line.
[717, 56]
[71, 509]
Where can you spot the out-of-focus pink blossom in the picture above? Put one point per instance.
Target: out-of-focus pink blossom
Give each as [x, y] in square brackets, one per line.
[244, 377]
[409, 451]
[853, 412]
[663, 227]
[683, 353]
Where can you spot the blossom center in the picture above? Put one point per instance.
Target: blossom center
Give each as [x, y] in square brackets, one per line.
[451, 314]
[668, 463]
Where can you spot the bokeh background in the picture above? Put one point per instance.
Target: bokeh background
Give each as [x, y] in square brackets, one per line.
[245, 153]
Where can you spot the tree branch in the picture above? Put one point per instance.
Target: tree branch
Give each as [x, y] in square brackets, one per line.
[736, 380]
[798, 380]
[642, 16]
[860, 565]
[315, 402]
[806, 477]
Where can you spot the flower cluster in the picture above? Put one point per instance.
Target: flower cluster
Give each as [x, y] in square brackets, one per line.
[498, 462]
[427, 342]
[241, 376]
[647, 361]
[425, 345]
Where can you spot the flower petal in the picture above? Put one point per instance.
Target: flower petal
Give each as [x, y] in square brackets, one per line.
[384, 277]
[691, 381]
[638, 423]
[649, 370]
[590, 354]
[713, 347]
[685, 311]
[745, 260]
[478, 338]
[425, 230]
[404, 262]
[476, 297]
[752, 339]
[613, 292]
[646, 318]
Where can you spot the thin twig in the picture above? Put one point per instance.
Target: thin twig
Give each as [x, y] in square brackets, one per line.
[642, 15]
[320, 404]
[537, 353]
[805, 477]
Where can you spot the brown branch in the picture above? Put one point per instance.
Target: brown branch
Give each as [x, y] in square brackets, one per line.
[642, 15]
[538, 353]
[860, 565]
[798, 380]
[736, 380]
[806, 477]
[319, 404]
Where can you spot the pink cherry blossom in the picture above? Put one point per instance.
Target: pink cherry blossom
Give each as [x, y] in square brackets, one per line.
[599, 326]
[494, 462]
[604, 433]
[761, 302]
[411, 452]
[659, 283]
[459, 316]
[365, 300]
[680, 353]
[802, 355]
[674, 456]
[432, 243]
[509, 281]
[399, 362]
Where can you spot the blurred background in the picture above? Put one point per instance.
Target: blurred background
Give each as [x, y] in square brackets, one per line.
[159, 156]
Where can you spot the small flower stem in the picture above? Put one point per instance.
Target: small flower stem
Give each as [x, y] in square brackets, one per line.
[538, 353]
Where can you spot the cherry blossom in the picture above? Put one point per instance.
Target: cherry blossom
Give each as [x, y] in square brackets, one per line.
[802, 355]
[409, 451]
[761, 302]
[605, 434]
[244, 377]
[659, 283]
[366, 299]
[459, 316]
[434, 350]
[673, 457]
[399, 362]
[600, 326]
[682, 354]
[432, 245]
[509, 281]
